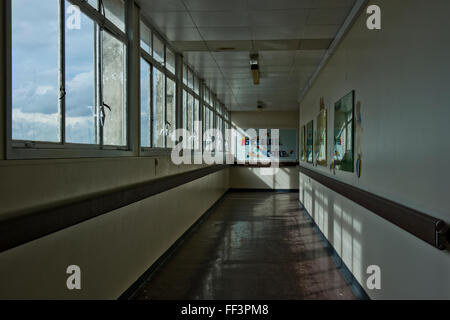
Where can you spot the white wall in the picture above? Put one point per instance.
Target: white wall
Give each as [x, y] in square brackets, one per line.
[401, 76]
[284, 178]
[112, 250]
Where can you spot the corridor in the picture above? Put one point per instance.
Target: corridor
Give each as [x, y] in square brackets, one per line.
[252, 245]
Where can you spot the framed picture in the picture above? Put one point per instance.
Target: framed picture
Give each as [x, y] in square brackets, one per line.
[321, 139]
[309, 142]
[303, 144]
[344, 114]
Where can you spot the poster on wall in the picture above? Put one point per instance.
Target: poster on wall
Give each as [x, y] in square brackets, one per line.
[343, 155]
[303, 144]
[252, 147]
[321, 139]
[309, 141]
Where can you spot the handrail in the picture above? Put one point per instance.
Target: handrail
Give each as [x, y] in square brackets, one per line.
[23, 229]
[425, 227]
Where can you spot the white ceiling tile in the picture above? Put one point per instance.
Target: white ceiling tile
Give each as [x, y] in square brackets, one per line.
[231, 33]
[279, 4]
[281, 18]
[181, 34]
[221, 18]
[277, 33]
[333, 3]
[171, 19]
[148, 6]
[335, 16]
[321, 31]
[215, 5]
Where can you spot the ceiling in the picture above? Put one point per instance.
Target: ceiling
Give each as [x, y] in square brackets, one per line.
[216, 38]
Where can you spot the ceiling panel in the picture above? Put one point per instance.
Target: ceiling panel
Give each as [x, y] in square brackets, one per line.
[216, 38]
[216, 5]
[178, 19]
[221, 19]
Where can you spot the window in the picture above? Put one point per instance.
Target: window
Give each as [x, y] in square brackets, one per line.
[35, 88]
[146, 38]
[170, 60]
[196, 85]
[115, 12]
[81, 111]
[185, 74]
[158, 122]
[71, 94]
[171, 121]
[145, 104]
[197, 128]
[113, 104]
[158, 49]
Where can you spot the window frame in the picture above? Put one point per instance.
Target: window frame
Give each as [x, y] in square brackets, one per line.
[25, 149]
[162, 67]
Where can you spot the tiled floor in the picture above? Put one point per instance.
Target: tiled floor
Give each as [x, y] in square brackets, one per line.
[254, 245]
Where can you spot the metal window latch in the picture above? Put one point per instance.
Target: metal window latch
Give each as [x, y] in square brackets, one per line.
[62, 93]
[103, 114]
[168, 126]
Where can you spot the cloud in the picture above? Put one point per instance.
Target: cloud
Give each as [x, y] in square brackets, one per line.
[35, 126]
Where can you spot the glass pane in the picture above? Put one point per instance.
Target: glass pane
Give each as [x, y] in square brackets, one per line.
[171, 111]
[190, 114]
[343, 133]
[196, 85]
[170, 60]
[81, 109]
[185, 116]
[115, 12]
[197, 126]
[146, 38]
[35, 85]
[113, 70]
[145, 104]
[185, 74]
[93, 3]
[158, 49]
[190, 79]
[159, 92]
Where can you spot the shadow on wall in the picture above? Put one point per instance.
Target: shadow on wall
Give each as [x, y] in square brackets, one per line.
[335, 219]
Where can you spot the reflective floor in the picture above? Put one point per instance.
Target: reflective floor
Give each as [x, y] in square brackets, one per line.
[254, 245]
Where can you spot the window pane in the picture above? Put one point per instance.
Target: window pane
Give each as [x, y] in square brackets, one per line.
[170, 60]
[196, 118]
[185, 74]
[35, 86]
[145, 104]
[146, 38]
[113, 69]
[190, 113]
[171, 111]
[185, 114]
[80, 83]
[196, 85]
[190, 79]
[93, 3]
[158, 108]
[158, 49]
[115, 12]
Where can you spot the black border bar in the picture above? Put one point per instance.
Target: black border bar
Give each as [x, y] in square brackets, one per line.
[430, 229]
[23, 229]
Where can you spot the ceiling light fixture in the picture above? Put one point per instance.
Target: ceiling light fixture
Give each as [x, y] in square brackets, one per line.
[254, 65]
